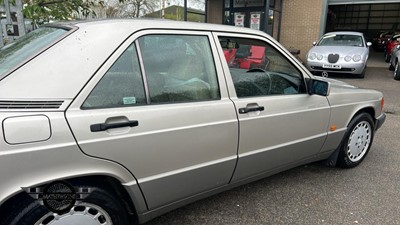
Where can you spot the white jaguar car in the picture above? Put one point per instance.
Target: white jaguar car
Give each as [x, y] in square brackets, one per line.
[339, 52]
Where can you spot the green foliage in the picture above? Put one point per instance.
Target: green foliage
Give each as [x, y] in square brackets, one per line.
[10, 1]
[42, 11]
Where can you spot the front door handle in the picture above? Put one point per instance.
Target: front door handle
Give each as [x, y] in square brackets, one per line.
[104, 126]
[251, 109]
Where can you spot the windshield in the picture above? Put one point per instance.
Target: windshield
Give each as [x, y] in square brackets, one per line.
[341, 40]
[27, 46]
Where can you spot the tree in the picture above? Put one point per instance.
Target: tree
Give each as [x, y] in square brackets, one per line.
[132, 8]
[42, 11]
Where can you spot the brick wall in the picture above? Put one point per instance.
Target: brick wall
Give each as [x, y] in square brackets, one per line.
[300, 24]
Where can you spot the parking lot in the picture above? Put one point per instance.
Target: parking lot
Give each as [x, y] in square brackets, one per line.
[315, 194]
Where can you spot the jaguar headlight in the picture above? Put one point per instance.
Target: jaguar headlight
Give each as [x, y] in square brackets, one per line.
[312, 56]
[347, 58]
[356, 58]
[320, 57]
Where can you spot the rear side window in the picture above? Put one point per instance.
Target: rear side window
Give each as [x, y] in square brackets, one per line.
[179, 68]
[27, 46]
[121, 86]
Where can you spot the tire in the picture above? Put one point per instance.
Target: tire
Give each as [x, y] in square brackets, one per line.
[100, 207]
[396, 73]
[356, 141]
[391, 67]
[387, 58]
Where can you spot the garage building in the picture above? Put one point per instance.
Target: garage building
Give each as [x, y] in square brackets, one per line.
[297, 23]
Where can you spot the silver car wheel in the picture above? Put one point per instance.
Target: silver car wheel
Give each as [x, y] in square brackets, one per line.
[359, 141]
[84, 213]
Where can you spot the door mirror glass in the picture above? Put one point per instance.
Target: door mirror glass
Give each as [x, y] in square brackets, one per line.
[319, 87]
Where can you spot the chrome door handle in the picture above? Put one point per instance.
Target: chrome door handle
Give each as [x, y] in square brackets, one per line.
[251, 109]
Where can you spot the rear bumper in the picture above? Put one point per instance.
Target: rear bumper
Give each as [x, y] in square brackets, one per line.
[379, 121]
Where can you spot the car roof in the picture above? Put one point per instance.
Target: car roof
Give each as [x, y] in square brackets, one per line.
[146, 23]
[78, 56]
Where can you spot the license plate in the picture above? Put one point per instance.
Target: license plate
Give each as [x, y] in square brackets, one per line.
[332, 66]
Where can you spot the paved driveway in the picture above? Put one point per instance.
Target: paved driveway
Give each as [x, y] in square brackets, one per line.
[315, 194]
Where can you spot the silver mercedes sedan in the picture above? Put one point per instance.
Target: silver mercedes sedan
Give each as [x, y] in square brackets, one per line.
[339, 52]
[120, 121]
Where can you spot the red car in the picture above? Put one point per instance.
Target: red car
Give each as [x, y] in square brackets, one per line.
[392, 42]
[380, 40]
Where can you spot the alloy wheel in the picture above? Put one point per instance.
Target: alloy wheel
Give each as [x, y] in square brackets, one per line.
[84, 213]
[359, 141]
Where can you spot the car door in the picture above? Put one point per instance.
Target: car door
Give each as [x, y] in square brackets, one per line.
[280, 124]
[159, 106]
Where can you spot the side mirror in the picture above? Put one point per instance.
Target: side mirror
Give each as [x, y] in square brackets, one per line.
[369, 44]
[319, 87]
[397, 46]
[314, 43]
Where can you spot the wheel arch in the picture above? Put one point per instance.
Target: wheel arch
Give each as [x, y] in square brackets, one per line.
[369, 110]
[331, 161]
[100, 181]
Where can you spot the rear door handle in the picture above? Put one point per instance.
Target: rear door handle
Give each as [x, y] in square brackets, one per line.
[251, 109]
[104, 126]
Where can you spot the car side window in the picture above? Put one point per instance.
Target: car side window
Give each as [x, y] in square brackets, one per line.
[258, 69]
[121, 86]
[179, 68]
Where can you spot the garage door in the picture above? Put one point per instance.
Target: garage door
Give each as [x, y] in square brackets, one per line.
[368, 17]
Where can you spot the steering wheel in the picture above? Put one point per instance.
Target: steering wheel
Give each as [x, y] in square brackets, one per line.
[254, 70]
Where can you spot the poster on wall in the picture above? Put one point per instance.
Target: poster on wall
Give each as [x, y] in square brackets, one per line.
[239, 19]
[255, 19]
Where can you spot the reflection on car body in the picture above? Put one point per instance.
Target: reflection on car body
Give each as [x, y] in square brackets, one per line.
[394, 64]
[147, 116]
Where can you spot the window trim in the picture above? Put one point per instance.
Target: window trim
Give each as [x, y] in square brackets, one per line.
[142, 71]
